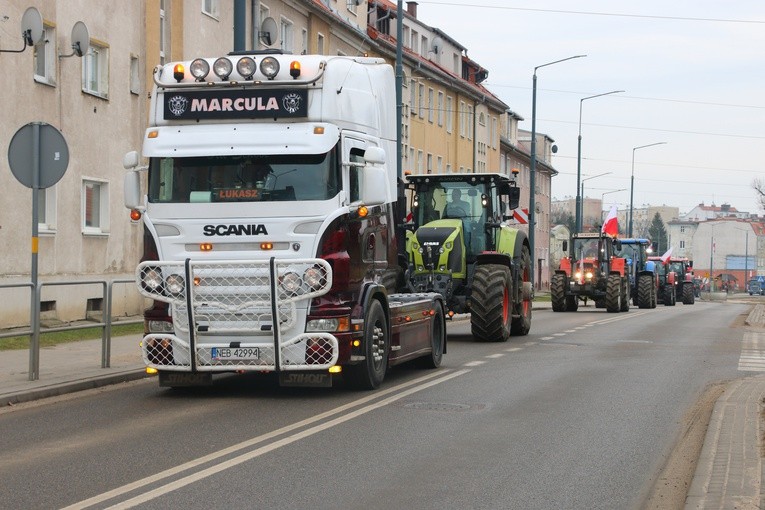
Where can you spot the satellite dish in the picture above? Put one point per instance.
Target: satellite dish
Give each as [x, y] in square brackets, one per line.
[554, 149]
[436, 45]
[31, 26]
[80, 39]
[268, 31]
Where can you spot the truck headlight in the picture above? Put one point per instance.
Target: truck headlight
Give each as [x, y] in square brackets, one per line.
[291, 282]
[151, 278]
[269, 66]
[199, 69]
[222, 68]
[175, 284]
[314, 277]
[318, 325]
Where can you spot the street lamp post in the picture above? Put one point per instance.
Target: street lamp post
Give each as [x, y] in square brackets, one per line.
[578, 214]
[602, 196]
[533, 165]
[632, 180]
[580, 209]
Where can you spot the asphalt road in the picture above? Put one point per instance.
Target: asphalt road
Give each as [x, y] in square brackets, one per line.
[581, 413]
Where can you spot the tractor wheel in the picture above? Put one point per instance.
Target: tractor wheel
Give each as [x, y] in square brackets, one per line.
[625, 295]
[688, 297]
[520, 325]
[600, 303]
[572, 304]
[558, 292]
[613, 293]
[646, 292]
[491, 303]
[669, 295]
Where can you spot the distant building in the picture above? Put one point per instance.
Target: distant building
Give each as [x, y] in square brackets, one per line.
[642, 217]
[592, 211]
[709, 212]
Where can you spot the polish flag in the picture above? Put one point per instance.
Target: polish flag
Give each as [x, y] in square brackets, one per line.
[610, 226]
[665, 257]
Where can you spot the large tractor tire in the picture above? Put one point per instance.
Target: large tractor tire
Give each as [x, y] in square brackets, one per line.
[558, 292]
[572, 304]
[669, 295]
[613, 293]
[646, 295]
[625, 295]
[491, 303]
[520, 322]
[688, 296]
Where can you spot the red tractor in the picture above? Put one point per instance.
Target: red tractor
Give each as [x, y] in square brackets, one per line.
[675, 280]
[591, 271]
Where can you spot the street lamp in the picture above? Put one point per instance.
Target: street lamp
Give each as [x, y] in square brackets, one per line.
[602, 196]
[533, 169]
[632, 181]
[579, 159]
[580, 208]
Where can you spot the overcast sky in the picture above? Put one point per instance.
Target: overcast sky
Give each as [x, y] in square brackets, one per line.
[693, 72]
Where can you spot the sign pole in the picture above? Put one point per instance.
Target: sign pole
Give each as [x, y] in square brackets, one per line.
[34, 349]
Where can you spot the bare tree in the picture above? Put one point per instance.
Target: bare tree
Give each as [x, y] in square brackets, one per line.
[759, 187]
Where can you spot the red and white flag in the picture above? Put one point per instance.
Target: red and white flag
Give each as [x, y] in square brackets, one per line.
[610, 226]
[665, 257]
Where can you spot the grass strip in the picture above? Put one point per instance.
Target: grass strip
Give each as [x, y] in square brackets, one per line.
[64, 337]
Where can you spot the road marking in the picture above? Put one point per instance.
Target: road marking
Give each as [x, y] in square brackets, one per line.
[559, 334]
[498, 355]
[514, 349]
[419, 384]
[619, 317]
[570, 331]
[547, 338]
[580, 327]
[474, 363]
[752, 357]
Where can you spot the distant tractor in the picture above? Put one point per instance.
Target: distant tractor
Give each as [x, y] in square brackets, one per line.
[461, 247]
[683, 269]
[591, 271]
[644, 282]
[668, 288]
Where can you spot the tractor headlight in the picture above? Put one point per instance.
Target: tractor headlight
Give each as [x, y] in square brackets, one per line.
[448, 245]
[588, 275]
[578, 275]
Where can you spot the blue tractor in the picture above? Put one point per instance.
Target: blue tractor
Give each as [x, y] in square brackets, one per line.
[643, 276]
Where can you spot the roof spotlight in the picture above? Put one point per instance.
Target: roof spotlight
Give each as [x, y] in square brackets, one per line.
[269, 66]
[246, 67]
[222, 68]
[199, 69]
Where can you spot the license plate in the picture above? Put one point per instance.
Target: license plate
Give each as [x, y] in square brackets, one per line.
[235, 353]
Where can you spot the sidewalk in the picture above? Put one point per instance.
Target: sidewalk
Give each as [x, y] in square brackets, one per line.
[728, 475]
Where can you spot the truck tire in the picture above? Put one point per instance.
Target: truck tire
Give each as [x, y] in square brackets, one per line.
[625, 295]
[688, 297]
[369, 374]
[613, 293]
[558, 292]
[520, 322]
[437, 339]
[646, 291]
[491, 303]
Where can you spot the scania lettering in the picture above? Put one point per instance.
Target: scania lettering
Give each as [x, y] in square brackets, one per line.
[269, 224]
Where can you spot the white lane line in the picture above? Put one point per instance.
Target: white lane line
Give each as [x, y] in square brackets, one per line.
[547, 338]
[498, 355]
[619, 317]
[570, 331]
[514, 349]
[264, 437]
[474, 363]
[579, 327]
[559, 334]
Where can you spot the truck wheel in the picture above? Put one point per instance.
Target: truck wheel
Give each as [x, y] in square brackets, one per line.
[645, 291]
[688, 296]
[521, 323]
[369, 374]
[625, 295]
[491, 303]
[558, 292]
[437, 338]
[613, 293]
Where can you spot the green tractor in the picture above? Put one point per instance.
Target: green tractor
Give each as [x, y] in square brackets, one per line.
[460, 247]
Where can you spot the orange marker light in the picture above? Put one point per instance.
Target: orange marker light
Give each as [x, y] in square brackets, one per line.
[179, 72]
[153, 134]
[363, 211]
[295, 69]
[205, 247]
[135, 215]
[266, 246]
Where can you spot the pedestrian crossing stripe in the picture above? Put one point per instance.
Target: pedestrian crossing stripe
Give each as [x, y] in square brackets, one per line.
[752, 357]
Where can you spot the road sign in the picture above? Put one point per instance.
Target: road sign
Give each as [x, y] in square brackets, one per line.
[38, 145]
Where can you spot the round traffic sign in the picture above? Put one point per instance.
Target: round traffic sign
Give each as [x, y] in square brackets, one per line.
[52, 155]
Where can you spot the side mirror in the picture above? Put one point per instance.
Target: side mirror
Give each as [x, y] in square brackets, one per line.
[503, 188]
[132, 190]
[514, 197]
[374, 188]
[564, 245]
[374, 155]
[617, 245]
[130, 160]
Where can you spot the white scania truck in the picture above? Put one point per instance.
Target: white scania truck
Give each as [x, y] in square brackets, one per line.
[269, 223]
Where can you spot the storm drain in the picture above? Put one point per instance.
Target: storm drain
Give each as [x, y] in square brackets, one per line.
[442, 406]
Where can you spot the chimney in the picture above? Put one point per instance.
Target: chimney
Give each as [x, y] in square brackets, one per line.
[725, 207]
[411, 9]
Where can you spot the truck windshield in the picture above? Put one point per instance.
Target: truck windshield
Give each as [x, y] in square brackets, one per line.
[275, 178]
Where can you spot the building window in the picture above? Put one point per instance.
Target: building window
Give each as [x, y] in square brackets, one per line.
[415, 41]
[95, 207]
[482, 119]
[424, 46]
[493, 133]
[456, 63]
[95, 70]
[682, 245]
[303, 41]
[320, 44]
[45, 57]
[135, 75]
[211, 8]
[286, 35]
[440, 108]
[412, 92]
[419, 162]
[470, 122]
[439, 164]
[430, 163]
[162, 33]
[405, 37]
[449, 114]
[46, 210]
[463, 122]
[682, 229]
[430, 105]
[421, 99]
